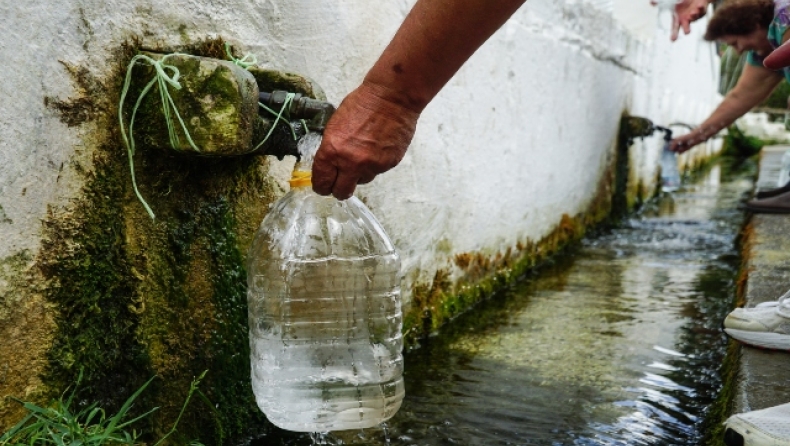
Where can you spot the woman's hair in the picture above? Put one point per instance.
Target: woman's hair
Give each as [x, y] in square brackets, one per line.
[739, 17]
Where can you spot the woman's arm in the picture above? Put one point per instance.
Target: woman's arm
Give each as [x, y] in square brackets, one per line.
[754, 85]
[373, 126]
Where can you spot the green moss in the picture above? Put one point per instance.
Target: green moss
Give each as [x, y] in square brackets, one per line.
[85, 260]
[436, 303]
[137, 297]
[778, 98]
[212, 106]
[740, 145]
[87, 106]
[11, 277]
[270, 80]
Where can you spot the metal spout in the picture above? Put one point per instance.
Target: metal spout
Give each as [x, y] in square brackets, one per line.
[638, 127]
[315, 112]
[299, 112]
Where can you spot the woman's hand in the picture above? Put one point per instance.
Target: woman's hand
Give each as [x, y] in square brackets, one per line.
[687, 141]
[366, 136]
[686, 12]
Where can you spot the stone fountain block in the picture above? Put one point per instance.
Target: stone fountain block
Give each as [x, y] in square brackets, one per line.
[218, 103]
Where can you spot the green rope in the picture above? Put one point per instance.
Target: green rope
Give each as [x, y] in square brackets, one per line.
[245, 62]
[163, 81]
[288, 99]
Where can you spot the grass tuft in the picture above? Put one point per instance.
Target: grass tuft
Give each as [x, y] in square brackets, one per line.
[60, 425]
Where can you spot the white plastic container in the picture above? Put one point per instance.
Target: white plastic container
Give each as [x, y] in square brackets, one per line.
[324, 313]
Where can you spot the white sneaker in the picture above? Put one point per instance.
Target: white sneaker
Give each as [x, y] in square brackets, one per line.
[767, 427]
[767, 325]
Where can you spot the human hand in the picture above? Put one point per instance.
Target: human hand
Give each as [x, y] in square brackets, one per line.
[686, 11]
[779, 58]
[366, 136]
[685, 142]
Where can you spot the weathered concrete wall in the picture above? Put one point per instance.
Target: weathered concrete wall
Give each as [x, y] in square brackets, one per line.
[513, 158]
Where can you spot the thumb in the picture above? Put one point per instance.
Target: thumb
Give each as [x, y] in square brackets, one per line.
[324, 172]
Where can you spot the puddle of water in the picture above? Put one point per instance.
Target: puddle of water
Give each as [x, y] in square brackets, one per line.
[616, 344]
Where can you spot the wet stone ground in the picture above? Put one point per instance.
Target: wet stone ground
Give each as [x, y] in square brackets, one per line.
[616, 343]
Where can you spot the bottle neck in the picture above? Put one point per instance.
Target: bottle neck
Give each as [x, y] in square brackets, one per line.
[301, 178]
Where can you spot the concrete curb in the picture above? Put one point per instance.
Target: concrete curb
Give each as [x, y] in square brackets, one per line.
[763, 375]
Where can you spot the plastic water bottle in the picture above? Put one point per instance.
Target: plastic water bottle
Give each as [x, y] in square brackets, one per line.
[670, 175]
[324, 312]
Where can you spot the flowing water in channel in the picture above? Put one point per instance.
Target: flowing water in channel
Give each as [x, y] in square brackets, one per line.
[616, 343]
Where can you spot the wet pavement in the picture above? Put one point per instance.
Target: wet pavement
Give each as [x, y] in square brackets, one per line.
[764, 376]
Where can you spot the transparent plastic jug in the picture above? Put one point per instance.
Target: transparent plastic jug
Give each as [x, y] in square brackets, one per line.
[670, 175]
[324, 312]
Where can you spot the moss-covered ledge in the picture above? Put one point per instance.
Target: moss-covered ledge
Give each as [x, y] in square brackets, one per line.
[436, 302]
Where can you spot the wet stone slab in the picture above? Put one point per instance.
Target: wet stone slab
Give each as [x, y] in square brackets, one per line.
[765, 375]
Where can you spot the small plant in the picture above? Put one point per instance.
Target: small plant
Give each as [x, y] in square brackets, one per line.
[59, 425]
[741, 145]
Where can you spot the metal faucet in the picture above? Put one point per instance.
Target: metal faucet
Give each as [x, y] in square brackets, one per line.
[315, 112]
[638, 127]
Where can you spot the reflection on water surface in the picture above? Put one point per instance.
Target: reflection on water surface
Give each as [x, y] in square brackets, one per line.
[615, 344]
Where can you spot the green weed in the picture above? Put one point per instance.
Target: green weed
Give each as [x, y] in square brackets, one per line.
[61, 425]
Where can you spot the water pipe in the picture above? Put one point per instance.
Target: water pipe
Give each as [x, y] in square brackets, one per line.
[638, 127]
[315, 112]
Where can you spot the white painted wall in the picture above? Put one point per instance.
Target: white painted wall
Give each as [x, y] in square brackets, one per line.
[520, 136]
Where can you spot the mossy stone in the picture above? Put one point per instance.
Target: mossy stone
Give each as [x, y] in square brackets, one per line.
[217, 103]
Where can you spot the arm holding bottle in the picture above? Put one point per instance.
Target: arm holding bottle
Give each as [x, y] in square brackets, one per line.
[755, 84]
[373, 126]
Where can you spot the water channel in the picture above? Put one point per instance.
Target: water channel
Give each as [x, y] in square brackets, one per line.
[616, 343]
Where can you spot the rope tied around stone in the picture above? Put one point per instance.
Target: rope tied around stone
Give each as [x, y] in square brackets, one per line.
[163, 80]
[248, 61]
[165, 77]
[245, 62]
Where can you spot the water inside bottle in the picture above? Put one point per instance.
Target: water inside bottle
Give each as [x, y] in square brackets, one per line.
[325, 315]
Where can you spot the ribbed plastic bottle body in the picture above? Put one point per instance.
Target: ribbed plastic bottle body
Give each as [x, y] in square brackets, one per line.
[325, 316]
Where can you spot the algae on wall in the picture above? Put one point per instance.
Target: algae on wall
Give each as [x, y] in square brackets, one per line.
[26, 326]
[134, 297]
[474, 277]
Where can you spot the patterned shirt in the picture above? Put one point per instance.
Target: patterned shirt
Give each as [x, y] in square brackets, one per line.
[776, 32]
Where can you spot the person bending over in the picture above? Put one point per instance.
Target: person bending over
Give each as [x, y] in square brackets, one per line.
[753, 26]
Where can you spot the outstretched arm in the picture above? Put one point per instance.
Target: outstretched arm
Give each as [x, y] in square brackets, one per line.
[755, 84]
[373, 126]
